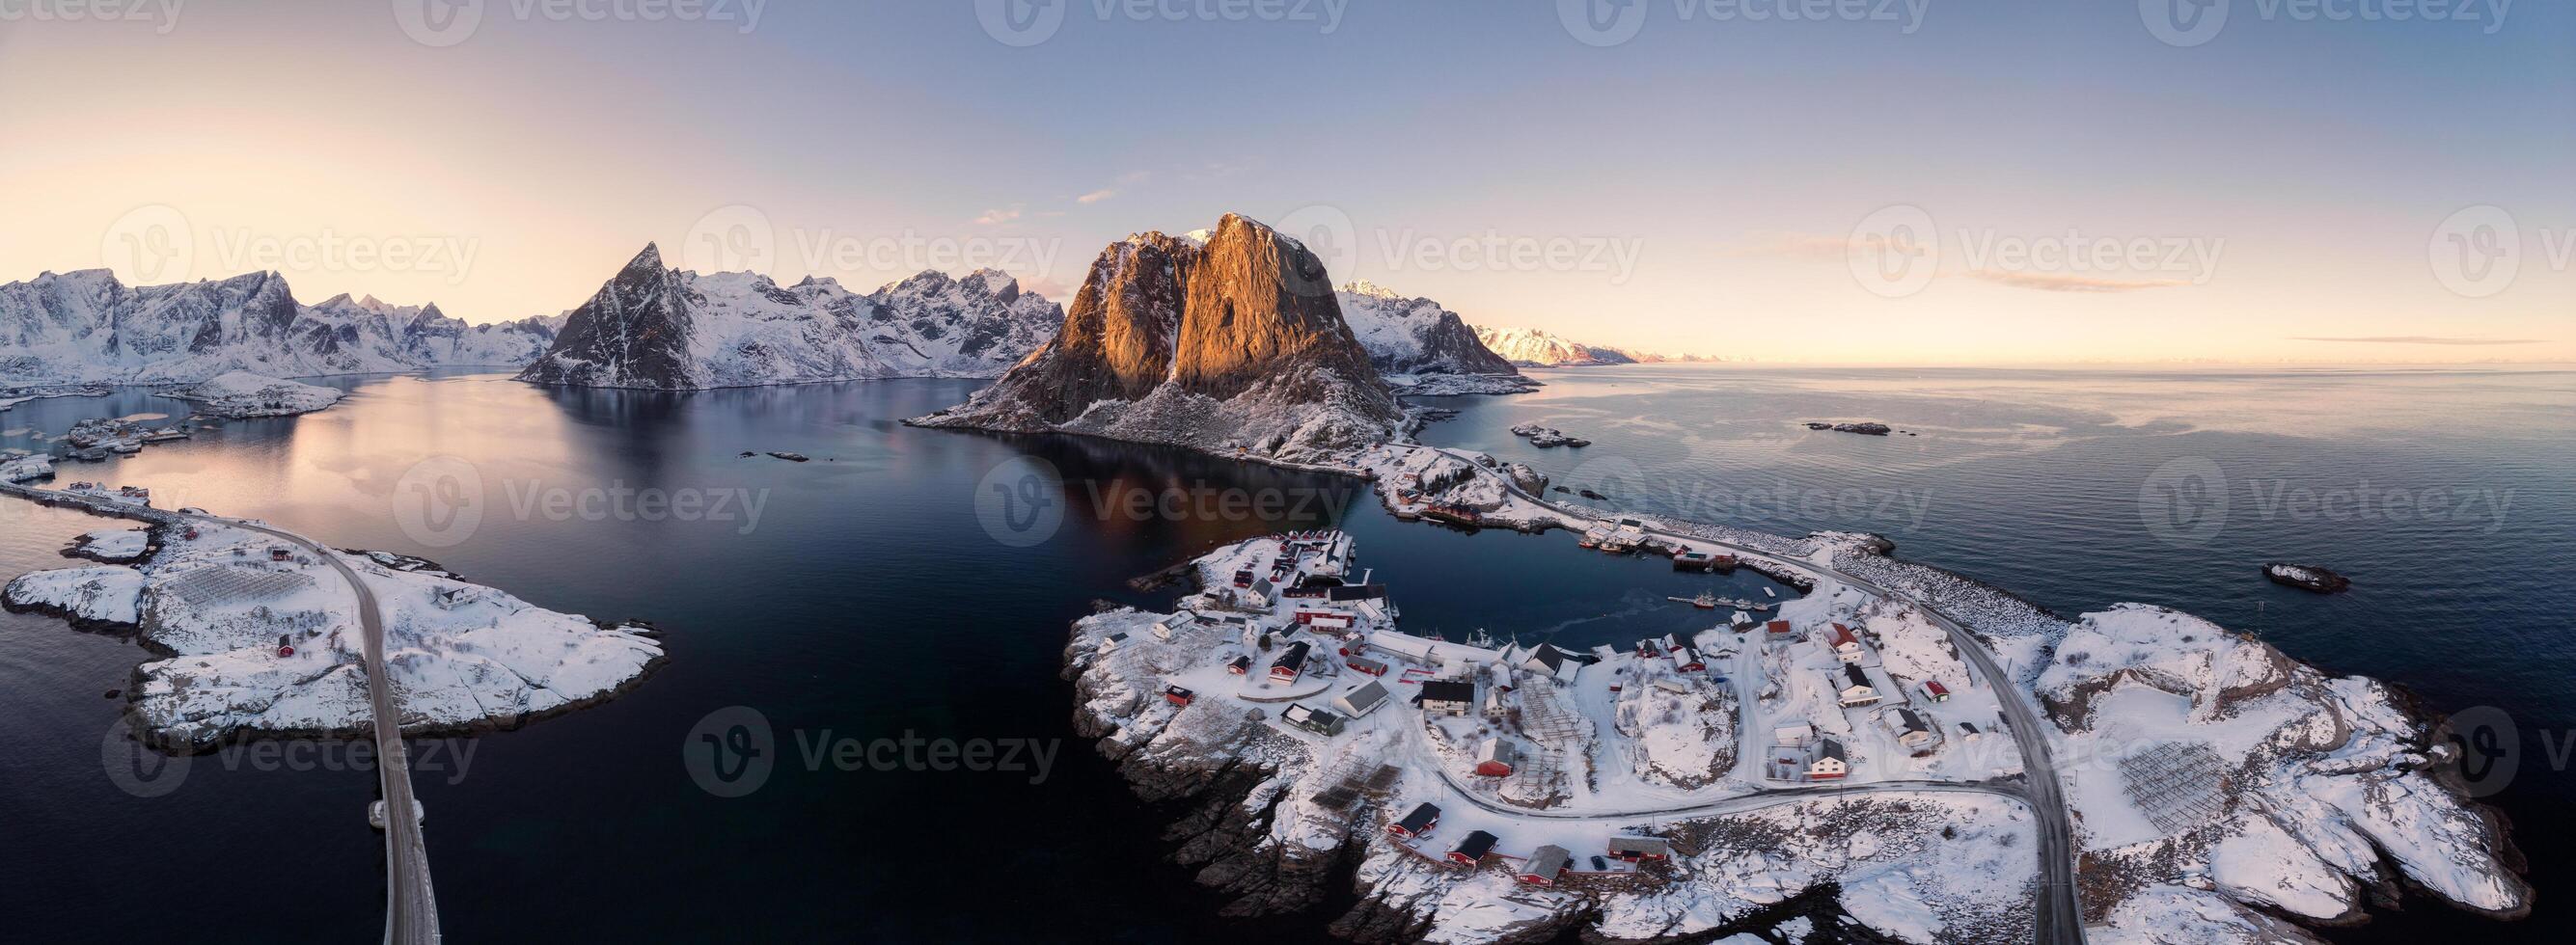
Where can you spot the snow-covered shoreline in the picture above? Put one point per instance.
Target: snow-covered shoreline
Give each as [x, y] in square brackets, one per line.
[2336, 801]
[238, 395]
[253, 641]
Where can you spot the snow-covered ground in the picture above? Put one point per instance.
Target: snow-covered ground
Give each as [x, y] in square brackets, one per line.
[2254, 786]
[112, 545]
[260, 639]
[239, 394]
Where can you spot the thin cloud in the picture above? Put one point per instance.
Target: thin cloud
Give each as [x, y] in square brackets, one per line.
[2068, 282]
[2422, 340]
[1096, 196]
[993, 217]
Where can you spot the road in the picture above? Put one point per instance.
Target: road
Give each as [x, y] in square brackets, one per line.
[2060, 915]
[411, 907]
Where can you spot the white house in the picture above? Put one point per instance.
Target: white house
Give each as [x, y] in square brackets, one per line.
[1846, 644]
[1856, 688]
[1909, 728]
[1448, 697]
[1799, 734]
[1828, 763]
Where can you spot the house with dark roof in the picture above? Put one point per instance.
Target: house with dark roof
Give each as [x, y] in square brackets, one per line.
[1471, 850]
[1424, 819]
[1856, 687]
[1291, 663]
[1634, 848]
[1447, 697]
[1829, 763]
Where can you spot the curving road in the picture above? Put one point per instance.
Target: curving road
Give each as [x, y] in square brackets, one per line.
[2060, 915]
[411, 906]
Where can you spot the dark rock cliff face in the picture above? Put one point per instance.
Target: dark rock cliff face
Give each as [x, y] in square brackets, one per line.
[633, 332]
[1237, 344]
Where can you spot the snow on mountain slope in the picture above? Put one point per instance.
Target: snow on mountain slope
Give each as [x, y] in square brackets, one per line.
[87, 326]
[1421, 347]
[1534, 347]
[652, 326]
[1218, 345]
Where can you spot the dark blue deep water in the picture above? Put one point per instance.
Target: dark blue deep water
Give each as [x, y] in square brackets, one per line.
[871, 600]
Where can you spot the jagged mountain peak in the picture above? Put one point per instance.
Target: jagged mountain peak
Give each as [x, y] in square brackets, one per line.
[654, 327]
[88, 326]
[1227, 339]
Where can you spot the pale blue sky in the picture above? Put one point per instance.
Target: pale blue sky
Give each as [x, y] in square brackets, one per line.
[1700, 182]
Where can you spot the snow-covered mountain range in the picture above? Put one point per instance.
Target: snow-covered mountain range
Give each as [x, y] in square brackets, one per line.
[1420, 347]
[1534, 348]
[88, 326]
[652, 326]
[1234, 343]
[1531, 346]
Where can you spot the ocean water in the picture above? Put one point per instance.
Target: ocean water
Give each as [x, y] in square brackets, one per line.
[881, 590]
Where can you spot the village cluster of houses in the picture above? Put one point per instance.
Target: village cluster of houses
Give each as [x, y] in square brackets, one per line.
[1544, 866]
[1799, 753]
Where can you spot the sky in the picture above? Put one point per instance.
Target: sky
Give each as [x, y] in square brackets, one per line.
[1828, 181]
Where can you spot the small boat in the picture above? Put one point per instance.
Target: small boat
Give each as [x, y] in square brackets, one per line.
[1766, 592]
[1705, 601]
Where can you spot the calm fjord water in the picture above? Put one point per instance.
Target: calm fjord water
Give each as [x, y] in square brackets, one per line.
[868, 600]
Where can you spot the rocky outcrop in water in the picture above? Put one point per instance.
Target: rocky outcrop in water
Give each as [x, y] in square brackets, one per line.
[2306, 577]
[1235, 346]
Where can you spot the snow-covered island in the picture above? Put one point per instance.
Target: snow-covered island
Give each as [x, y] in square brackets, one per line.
[1856, 747]
[242, 394]
[1545, 437]
[2306, 577]
[257, 638]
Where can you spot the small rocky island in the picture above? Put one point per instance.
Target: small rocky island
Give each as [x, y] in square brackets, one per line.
[1864, 428]
[2306, 577]
[1546, 437]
